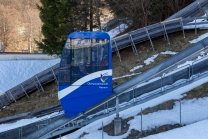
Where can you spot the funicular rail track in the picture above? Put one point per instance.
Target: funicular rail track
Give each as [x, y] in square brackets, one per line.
[124, 41]
[163, 81]
[147, 33]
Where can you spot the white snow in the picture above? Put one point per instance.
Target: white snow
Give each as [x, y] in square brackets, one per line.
[198, 26]
[128, 75]
[205, 25]
[192, 111]
[196, 130]
[199, 38]
[117, 30]
[200, 20]
[135, 68]
[184, 64]
[168, 53]
[8, 126]
[150, 60]
[14, 72]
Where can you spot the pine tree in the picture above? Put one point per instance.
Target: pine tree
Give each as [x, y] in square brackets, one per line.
[60, 17]
[55, 15]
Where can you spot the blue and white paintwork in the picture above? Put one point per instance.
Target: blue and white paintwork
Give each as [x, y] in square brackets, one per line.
[89, 90]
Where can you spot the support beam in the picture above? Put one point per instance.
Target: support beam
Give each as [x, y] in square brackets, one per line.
[181, 22]
[12, 96]
[24, 91]
[2, 102]
[199, 6]
[166, 34]
[117, 51]
[150, 39]
[195, 27]
[20, 132]
[39, 84]
[36, 85]
[141, 120]
[54, 76]
[133, 44]
[117, 106]
[7, 97]
[117, 119]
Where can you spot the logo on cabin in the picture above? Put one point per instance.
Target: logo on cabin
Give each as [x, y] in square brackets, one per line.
[103, 77]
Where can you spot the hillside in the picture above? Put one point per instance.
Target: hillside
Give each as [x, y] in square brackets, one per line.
[163, 117]
[39, 100]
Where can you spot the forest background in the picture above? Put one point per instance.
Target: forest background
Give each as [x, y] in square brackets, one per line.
[43, 25]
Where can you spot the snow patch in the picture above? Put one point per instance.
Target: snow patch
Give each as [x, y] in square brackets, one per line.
[117, 30]
[169, 53]
[150, 60]
[199, 38]
[135, 68]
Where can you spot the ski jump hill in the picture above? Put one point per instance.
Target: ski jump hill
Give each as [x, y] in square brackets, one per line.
[152, 79]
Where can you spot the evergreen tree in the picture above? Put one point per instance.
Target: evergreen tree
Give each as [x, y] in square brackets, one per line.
[60, 17]
[55, 15]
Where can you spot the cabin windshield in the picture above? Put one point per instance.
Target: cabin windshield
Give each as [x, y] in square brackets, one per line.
[81, 57]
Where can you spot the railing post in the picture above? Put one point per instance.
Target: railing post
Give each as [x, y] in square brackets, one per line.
[166, 34]
[189, 72]
[195, 27]
[133, 44]
[141, 120]
[7, 97]
[104, 111]
[117, 106]
[163, 89]
[20, 133]
[199, 6]
[192, 69]
[36, 85]
[107, 107]
[182, 27]
[24, 91]
[12, 96]
[102, 131]
[180, 112]
[1, 102]
[39, 83]
[150, 39]
[117, 119]
[54, 76]
[117, 51]
[133, 96]
[161, 83]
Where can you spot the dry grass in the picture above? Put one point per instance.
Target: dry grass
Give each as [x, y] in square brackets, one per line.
[36, 100]
[137, 134]
[167, 105]
[110, 127]
[199, 92]
[130, 60]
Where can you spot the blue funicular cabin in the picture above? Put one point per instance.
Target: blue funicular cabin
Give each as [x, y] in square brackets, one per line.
[85, 72]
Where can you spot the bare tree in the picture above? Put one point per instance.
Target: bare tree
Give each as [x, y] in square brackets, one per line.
[4, 25]
[176, 5]
[136, 10]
